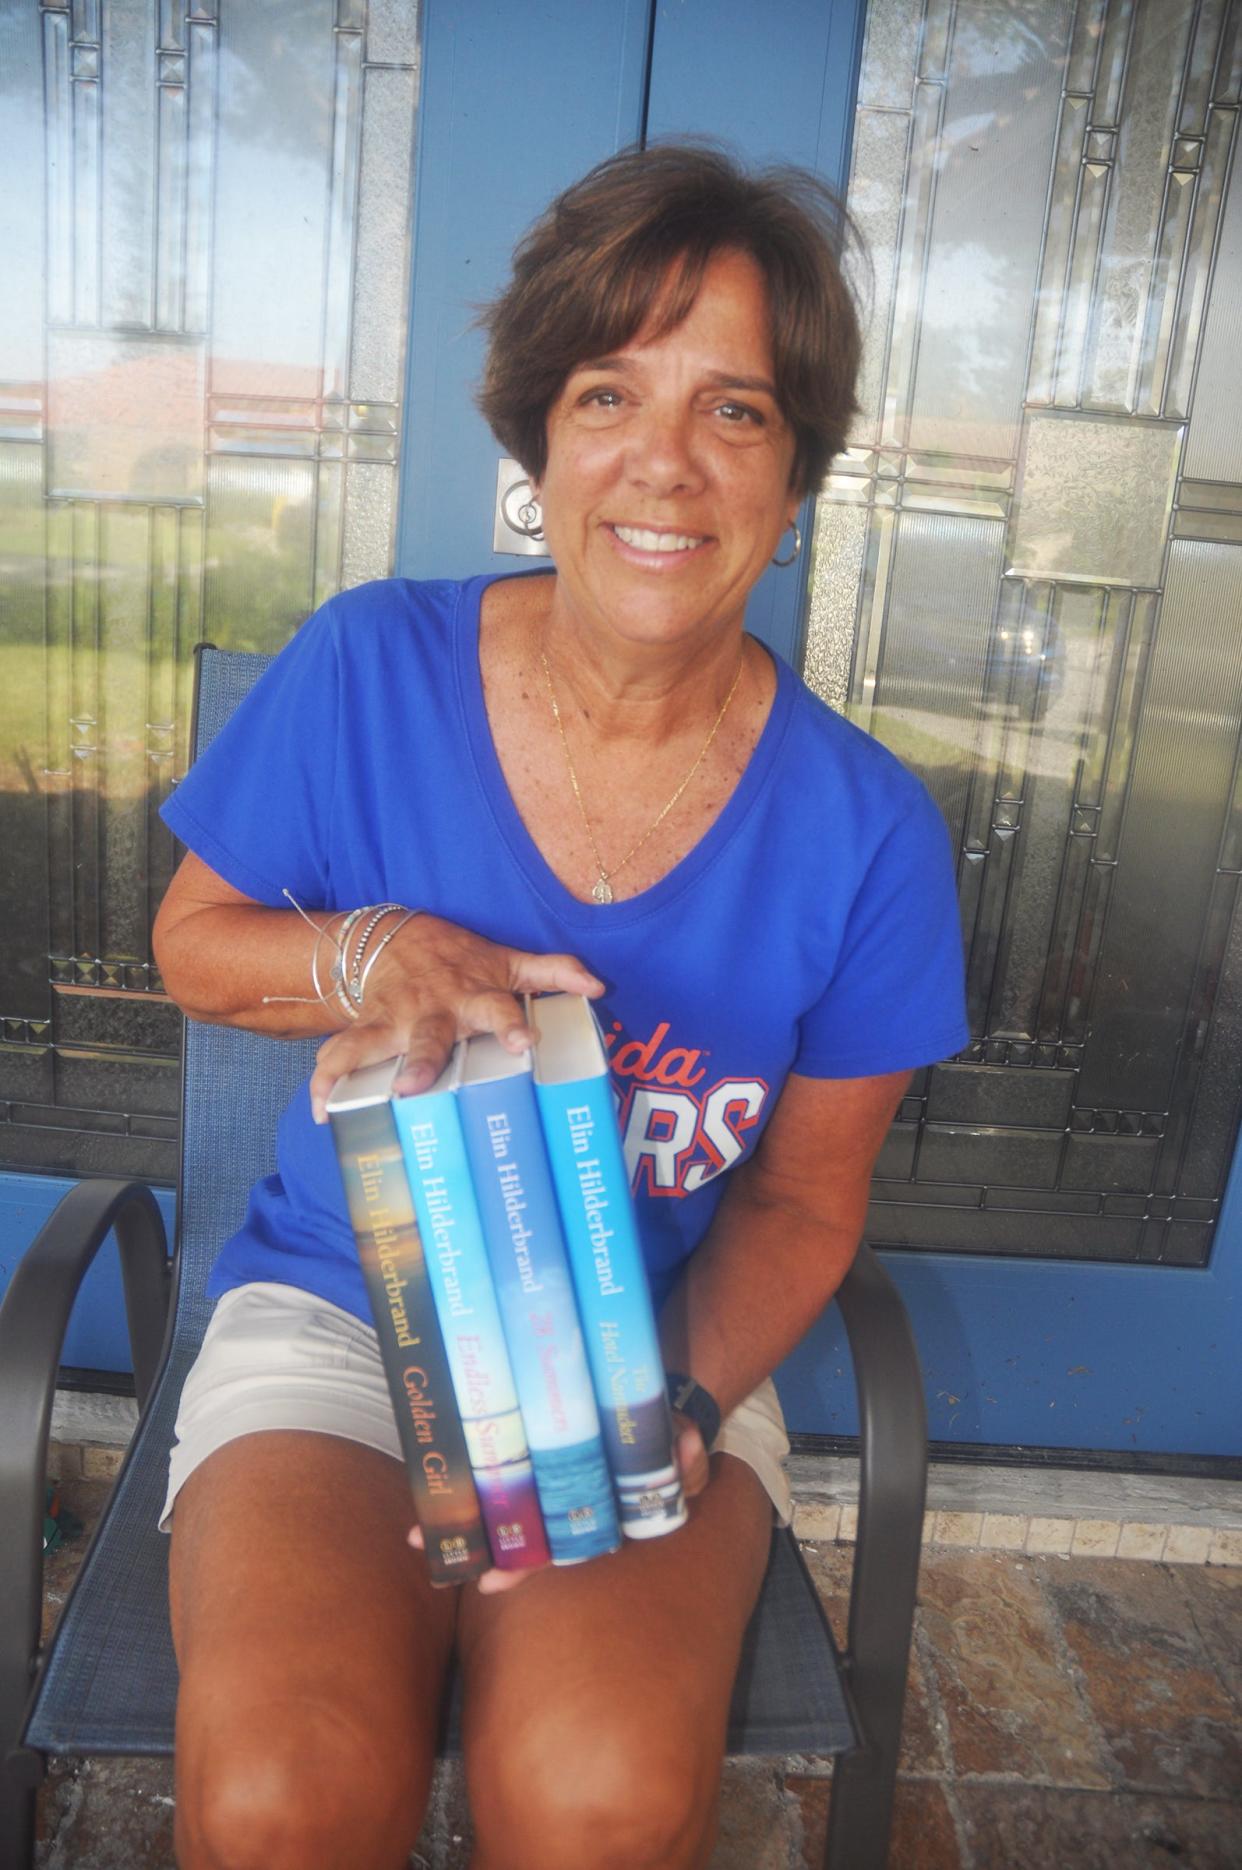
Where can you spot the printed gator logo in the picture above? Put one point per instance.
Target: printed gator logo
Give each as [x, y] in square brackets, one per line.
[679, 1130]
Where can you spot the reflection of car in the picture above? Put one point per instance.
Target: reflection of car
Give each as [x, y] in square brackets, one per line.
[946, 666]
[1035, 661]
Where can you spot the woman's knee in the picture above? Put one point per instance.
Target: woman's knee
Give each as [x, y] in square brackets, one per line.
[593, 1793]
[300, 1787]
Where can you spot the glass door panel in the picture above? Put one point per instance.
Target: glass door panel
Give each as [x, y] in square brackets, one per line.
[1028, 582]
[202, 307]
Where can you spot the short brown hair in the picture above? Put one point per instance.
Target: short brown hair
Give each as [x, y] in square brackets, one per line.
[590, 271]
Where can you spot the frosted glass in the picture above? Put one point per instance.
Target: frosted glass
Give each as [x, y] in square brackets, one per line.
[383, 216]
[1094, 499]
[392, 31]
[840, 544]
[370, 515]
[889, 55]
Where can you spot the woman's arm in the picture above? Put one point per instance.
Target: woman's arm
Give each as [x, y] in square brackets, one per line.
[233, 961]
[783, 1239]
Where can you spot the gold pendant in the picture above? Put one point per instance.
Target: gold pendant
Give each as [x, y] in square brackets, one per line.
[602, 891]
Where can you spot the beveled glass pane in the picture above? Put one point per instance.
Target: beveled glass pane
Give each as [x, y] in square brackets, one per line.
[983, 255]
[1214, 451]
[1129, 238]
[129, 146]
[1094, 499]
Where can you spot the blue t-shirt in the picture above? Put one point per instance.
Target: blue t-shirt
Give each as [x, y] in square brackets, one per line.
[813, 929]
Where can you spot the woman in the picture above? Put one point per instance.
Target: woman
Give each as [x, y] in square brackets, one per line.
[589, 779]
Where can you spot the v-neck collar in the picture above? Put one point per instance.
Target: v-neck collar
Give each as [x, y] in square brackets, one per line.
[530, 860]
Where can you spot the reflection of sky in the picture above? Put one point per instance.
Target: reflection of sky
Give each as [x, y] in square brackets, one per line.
[272, 185]
[991, 42]
[969, 301]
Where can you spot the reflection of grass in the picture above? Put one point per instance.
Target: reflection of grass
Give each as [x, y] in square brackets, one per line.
[258, 577]
[918, 746]
[23, 715]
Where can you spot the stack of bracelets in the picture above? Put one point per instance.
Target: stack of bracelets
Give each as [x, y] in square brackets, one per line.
[350, 972]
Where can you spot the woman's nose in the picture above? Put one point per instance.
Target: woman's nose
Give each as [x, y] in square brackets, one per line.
[663, 453]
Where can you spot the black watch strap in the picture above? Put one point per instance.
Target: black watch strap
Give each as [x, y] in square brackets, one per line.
[693, 1401]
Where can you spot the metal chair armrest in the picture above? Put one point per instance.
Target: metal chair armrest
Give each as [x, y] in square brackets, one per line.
[34, 1317]
[892, 1494]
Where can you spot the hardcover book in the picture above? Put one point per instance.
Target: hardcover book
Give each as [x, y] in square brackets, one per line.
[429, 1130]
[391, 1252]
[513, 1187]
[605, 1256]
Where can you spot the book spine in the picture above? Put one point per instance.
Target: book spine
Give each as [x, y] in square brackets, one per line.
[390, 1250]
[500, 1122]
[614, 1301]
[429, 1128]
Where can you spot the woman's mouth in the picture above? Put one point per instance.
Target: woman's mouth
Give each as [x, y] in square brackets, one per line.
[643, 539]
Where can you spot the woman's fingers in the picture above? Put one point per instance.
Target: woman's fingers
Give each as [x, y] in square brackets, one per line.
[490, 1582]
[345, 1052]
[553, 973]
[493, 1582]
[426, 1044]
[438, 983]
[692, 1458]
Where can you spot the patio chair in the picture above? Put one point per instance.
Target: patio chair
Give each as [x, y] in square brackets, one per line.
[106, 1682]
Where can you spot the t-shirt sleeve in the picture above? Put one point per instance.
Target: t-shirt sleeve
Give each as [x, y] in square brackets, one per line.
[897, 995]
[257, 805]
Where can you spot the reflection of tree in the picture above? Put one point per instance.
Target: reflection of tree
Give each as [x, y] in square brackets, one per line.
[1005, 60]
[277, 96]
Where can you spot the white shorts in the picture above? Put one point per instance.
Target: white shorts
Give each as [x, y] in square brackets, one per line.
[275, 1357]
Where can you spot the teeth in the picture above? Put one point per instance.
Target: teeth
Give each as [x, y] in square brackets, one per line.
[644, 541]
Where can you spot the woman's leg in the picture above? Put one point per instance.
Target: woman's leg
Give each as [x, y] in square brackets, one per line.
[312, 1653]
[597, 1697]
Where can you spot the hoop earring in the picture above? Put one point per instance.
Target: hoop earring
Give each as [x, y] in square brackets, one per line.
[797, 545]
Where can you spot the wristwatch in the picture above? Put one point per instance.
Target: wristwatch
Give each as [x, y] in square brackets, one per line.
[696, 1404]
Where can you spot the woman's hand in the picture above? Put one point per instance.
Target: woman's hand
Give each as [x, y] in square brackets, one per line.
[435, 983]
[692, 1460]
[691, 1456]
[492, 1582]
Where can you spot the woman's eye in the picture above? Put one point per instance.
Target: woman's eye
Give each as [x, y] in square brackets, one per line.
[738, 413]
[601, 399]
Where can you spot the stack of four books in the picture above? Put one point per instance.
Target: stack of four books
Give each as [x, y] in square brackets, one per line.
[497, 1236]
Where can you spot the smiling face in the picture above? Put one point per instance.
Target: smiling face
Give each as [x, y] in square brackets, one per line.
[667, 485]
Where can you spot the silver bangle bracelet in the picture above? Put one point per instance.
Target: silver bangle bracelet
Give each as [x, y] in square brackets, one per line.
[379, 948]
[374, 914]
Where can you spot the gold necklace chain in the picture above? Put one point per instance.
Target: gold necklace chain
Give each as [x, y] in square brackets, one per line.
[601, 890]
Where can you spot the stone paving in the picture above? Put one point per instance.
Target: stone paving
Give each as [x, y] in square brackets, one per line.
[1076, 1713]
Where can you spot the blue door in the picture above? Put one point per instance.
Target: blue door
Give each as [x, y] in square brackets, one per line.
[1046, 1341]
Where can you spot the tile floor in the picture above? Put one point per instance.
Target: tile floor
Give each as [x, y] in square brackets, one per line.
[1064, 1711]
